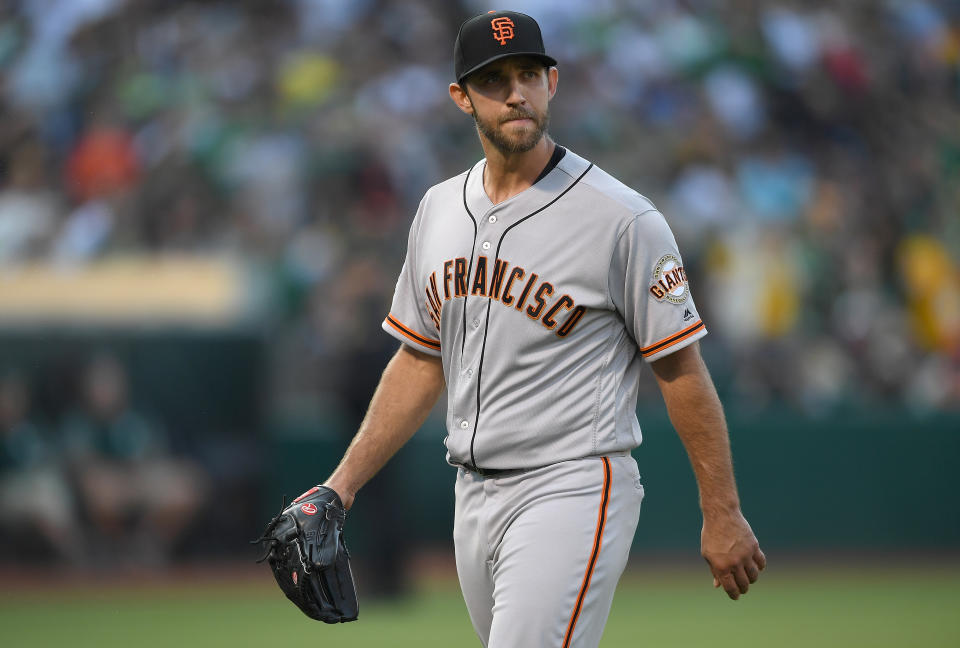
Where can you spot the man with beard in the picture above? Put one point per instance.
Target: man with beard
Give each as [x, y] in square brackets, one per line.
[535, 287]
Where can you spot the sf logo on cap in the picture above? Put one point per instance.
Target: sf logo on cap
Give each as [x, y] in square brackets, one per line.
[502, 29]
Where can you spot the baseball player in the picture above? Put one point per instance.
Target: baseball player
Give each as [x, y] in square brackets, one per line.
[535, 288]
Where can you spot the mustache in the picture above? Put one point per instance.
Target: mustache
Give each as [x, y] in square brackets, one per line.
[519, 114]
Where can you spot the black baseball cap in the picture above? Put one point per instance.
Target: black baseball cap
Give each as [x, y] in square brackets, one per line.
[496, 35]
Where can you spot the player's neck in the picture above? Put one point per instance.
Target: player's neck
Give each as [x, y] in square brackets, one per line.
[507, 174]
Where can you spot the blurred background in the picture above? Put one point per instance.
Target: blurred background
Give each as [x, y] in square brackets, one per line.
[204, 208]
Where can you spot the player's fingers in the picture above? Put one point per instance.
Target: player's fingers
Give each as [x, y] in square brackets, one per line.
[760, 559]
[716, 583]
[741, 579]
[730, 586]
[753, 572]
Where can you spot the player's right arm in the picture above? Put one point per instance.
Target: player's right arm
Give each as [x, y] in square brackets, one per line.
[408, 390]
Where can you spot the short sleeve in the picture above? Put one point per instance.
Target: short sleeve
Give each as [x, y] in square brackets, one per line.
[649, 288]
[414, 319]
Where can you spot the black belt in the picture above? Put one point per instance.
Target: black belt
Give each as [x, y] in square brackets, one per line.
[487, 472]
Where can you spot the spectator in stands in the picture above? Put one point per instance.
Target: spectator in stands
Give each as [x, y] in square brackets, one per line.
[29, 209]
[138, 495]
[34, 497]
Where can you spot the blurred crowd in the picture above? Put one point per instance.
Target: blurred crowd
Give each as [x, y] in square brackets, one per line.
[98, 485]
[807, 155]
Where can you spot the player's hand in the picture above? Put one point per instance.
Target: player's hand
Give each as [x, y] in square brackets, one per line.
[733, 553]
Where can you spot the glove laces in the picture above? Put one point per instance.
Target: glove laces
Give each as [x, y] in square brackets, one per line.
[265, 537]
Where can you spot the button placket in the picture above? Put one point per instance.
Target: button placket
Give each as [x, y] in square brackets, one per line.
[488, 233]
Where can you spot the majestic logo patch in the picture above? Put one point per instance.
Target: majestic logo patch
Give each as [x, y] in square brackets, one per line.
[502, 29]
[669, 280]
[309, 508]
[687, 315]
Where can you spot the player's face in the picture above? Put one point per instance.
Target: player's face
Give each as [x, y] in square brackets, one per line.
[509, 99]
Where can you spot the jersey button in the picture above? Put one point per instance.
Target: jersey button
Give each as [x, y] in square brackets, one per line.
[492, 219]
[464, 425]
[486, 245]
[470, 373]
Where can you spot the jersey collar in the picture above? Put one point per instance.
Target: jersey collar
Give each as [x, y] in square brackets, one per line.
[530, 199]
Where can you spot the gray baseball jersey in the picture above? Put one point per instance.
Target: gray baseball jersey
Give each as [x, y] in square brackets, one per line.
[542, 308]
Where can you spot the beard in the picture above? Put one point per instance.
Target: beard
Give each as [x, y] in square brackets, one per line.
[518, 142]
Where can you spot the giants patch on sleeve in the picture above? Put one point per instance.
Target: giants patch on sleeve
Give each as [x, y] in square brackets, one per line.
[669, 280]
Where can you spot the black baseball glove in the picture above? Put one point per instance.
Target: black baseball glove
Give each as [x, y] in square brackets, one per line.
[309, 559]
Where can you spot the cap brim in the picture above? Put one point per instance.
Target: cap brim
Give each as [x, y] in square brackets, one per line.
[549, 60]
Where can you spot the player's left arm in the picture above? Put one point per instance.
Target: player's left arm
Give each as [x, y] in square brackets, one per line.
[727, 542]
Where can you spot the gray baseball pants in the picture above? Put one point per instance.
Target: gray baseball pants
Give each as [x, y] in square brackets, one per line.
[539, 552]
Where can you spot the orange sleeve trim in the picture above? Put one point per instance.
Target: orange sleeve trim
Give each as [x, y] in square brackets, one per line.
[416, 337]
[676, 338]
[597, 541]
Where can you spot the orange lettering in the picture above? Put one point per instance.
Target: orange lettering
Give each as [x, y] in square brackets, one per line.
[502, 29]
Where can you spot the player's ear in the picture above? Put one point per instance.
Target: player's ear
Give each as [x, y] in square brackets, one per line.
[460, 97]
[552, 78]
